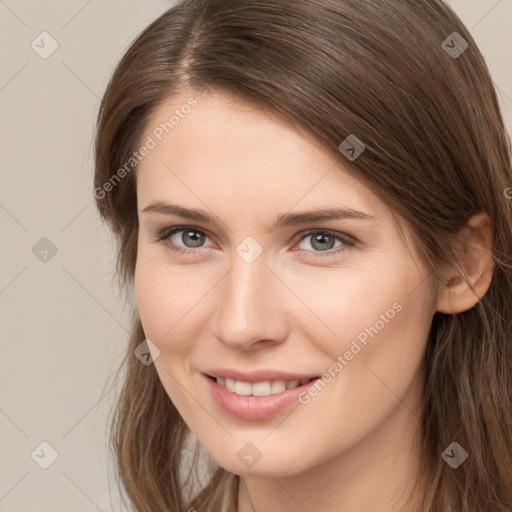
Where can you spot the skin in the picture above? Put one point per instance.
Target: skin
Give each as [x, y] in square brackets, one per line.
[354, 445]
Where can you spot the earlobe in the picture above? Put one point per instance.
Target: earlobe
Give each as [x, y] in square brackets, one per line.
[457, 294]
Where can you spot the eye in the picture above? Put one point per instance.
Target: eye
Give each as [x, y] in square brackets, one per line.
[322, 241]
[190, 236]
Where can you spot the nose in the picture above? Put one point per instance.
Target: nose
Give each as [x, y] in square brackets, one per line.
[251, 310]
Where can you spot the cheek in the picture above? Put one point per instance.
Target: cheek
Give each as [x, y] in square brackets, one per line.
[157, 299]
[153, 304]
[374, 365]
[378, 306]
[163, 300]
[170, 302]
[390, 323]
[381, 323]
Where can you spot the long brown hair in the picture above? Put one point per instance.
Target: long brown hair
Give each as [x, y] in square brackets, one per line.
[394, 74]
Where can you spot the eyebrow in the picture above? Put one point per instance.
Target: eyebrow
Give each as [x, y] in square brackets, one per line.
[286, 219]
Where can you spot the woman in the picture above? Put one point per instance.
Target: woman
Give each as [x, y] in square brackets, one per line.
[310, 200]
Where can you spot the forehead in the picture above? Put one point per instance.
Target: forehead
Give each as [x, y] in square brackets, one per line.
[222, 148]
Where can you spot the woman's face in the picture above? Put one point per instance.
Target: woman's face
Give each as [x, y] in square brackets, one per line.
[269, 290]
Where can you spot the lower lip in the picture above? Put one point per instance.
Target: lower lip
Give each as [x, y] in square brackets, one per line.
[255, 407]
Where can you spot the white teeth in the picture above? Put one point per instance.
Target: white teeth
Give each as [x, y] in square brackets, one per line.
[292, 384]
[278, 386]
[243, 388]
[264, 388]
[229, 384]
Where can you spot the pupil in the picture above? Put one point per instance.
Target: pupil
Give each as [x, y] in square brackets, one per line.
[323, 241]
[196, 238]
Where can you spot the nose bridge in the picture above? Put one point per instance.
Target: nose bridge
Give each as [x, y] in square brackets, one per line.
[247, 306]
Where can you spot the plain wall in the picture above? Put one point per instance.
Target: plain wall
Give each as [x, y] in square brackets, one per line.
[63, 325]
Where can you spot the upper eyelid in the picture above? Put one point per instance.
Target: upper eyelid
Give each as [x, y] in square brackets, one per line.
[167, 232]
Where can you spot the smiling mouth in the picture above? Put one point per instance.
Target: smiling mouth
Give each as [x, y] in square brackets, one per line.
[263, 388]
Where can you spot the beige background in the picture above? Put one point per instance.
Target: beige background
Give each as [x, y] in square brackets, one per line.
[63, 325]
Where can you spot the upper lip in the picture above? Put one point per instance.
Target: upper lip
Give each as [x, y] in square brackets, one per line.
[257, 375]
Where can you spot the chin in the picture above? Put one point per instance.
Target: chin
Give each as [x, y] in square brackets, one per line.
[277, 465]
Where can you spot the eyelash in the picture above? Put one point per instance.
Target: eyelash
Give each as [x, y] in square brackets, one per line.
[167, 233]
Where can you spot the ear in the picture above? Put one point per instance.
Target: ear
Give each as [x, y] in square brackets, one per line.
[455, 294]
